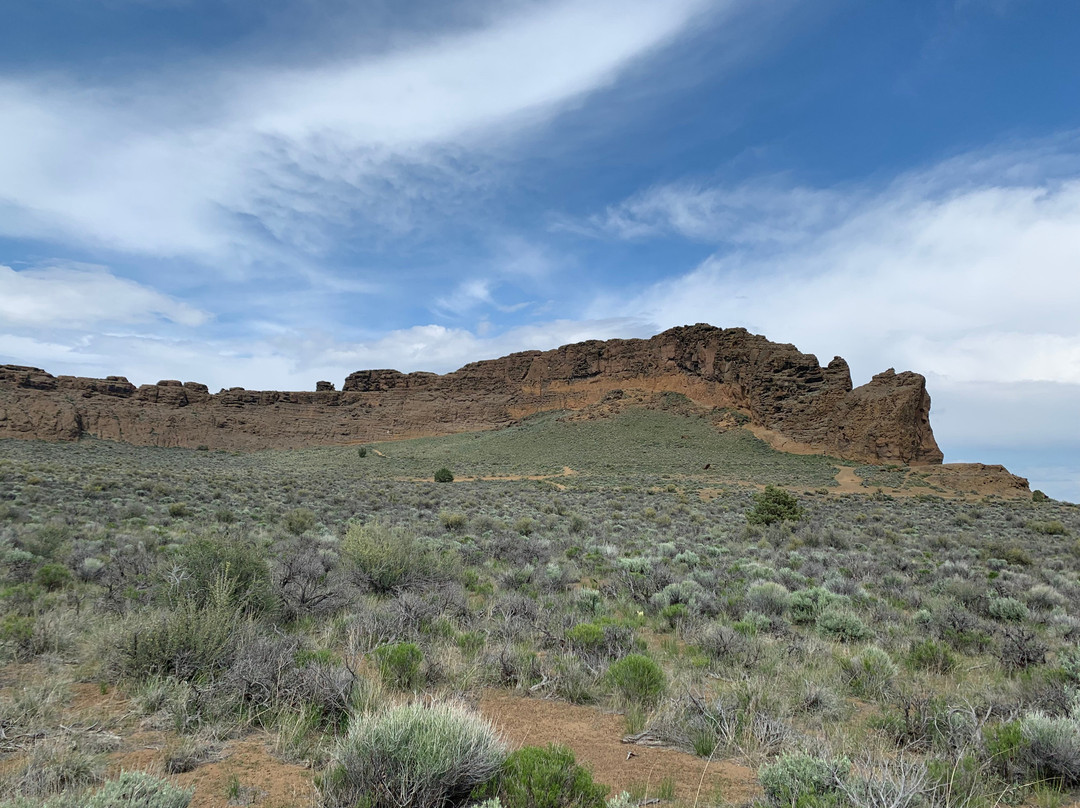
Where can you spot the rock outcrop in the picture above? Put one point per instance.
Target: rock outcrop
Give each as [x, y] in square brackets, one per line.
[787, 396]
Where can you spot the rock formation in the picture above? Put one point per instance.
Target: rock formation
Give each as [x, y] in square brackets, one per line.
[787, 396]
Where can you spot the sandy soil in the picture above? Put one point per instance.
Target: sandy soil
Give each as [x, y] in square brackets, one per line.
[596, 739]
[266, 781]
[848, 482]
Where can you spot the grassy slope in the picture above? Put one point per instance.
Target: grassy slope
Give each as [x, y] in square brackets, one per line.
[634, 442]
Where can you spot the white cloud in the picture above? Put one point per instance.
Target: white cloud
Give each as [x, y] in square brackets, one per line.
[72, 298]
[207, 162]
[16, 349]
[1009, 415]
[535, 60]
[1030, 427]
[944, 271]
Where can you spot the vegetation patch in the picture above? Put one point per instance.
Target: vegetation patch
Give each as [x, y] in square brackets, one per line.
[311, 593]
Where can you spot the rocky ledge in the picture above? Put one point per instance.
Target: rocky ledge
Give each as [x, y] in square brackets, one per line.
[787, 396]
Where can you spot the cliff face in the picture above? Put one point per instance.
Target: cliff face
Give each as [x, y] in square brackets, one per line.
[785, 393]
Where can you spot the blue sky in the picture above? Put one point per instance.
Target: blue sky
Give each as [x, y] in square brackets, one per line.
[267, 194]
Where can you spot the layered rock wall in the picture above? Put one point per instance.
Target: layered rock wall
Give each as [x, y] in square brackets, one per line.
[784, 392]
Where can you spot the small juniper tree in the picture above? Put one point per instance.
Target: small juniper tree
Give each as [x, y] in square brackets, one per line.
[774, 505]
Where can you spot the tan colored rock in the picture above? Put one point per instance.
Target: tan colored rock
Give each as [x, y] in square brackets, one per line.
[978, 479]
[786, 395]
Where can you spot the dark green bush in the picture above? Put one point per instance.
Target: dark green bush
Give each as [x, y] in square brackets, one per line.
[774, 505]
[674, 614]
[17, 634]
[930, 655]
[444, 475]
[637, 679]
[52, 577]
[600, 640]
[585, 637]
[190, 641]
[546, 777]
[399, 665]
[454, 522]
[1005, 745]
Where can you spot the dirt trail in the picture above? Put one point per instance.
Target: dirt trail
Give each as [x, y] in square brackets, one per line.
[848, 482]
[596, 737]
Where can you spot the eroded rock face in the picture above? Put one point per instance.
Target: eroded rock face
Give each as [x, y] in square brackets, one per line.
[783, 392]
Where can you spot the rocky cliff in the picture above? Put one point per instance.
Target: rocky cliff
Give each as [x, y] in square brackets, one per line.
[789, 399]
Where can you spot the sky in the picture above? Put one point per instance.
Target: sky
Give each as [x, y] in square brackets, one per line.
[266, 194]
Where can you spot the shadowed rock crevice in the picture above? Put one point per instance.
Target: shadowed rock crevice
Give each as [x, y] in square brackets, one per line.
[788, 397]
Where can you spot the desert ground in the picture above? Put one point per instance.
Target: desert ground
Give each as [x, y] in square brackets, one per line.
[689, 615]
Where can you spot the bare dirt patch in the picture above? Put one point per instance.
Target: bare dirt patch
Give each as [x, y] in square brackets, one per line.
[244, 773]
[596, 739]
[248, 768]
[89, 713]
[848, 482]
[782, 443]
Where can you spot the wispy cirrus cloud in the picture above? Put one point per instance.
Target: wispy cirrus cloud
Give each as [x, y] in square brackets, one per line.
[233, 163]
[762, 212]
